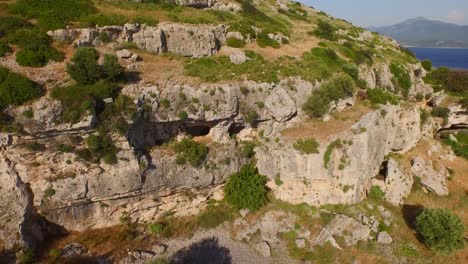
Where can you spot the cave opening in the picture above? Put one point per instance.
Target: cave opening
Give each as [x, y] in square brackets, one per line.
[235, 129]
[197, 131]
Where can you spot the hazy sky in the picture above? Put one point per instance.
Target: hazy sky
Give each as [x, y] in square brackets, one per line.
[387, 12]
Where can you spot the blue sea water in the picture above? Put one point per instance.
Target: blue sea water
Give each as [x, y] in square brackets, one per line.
[452, 58]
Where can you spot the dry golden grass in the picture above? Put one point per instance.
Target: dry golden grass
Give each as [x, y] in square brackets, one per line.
[321, 130]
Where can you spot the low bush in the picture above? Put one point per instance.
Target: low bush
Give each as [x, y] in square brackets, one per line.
[52, 14]
[16, 89]
[352, 70]
[250, 116]
[401, 78]
[111, 68]
[246, 189]
[248, 149]
[427, 65]
[307, 146]
[102, 147]
[376, 193]
[190, 151]
[325, 30]
[235, 42]
[438, 78]
[460, 146]
[329, 151]
[380, 96]
[84, 68]
[337, 88]
[80, 99]
[36, 49]
[263, 40]
[4, 48]
[441, 230]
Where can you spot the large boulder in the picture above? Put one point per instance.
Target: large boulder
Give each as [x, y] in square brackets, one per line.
[397, 183]
[431, 179]
[343, 226]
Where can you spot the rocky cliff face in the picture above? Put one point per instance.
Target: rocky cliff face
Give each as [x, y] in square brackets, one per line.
[353, 161]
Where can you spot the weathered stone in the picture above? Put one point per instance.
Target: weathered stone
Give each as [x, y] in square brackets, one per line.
[344, 226]
[264, 248]
[74, 250]
[431, 179]
[280, 105]
[196, 3]
[151, 39]
[238, 57]
[244, 212]
[397, 184]
[384, 238]
[300, 243]
[124, 54]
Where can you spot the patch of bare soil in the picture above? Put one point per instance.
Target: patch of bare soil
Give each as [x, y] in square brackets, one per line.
[321, 130]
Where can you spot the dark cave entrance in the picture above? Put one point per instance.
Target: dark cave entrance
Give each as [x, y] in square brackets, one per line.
[197, 131]
[235, 129]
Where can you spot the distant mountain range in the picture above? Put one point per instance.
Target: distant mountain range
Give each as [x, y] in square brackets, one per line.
[422, 32]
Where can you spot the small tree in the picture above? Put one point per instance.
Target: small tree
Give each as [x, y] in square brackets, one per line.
[84, 68]
[246, 189]
[441, 229]
[111, 67]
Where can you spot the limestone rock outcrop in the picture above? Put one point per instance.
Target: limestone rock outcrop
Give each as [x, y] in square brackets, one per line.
[431, 179]
[319, 179]
[397, 183]
[184, 39]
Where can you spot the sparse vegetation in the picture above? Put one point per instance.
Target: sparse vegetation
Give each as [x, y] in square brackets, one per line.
[337, 88]
[380, 96]
[376, 193]
[329, 151]
[325, 30]
[246, 189]
[190, 151]
[235, 42]
[307, 146]
[401, 78]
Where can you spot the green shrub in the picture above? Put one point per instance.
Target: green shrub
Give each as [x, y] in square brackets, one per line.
[458, 82]
[9, 24]
[16, 89]
[156, 228]
[424, 116]
[263, 40]
[102, 20]
[376, 193]
[337, 88]
[183, 115]
[49, 192]
[36, 49]
[329, 151]
[401, 78]
[190, 151]
[246, 189]
[76, 99]
[28, 256]
[53, 14]
[101, 146]
[111, 67]
[441, 112]
[438, 78]
[442, 230]
[165, 103]
[427, 65]
[325, 30]
[278, 180]
[235, 42]
[28, 113]
[84, 68]
[307, 146]
[459, 147]
[379, 96]
[4, 48]
[248, 150]
[251, 116]
[352, 70]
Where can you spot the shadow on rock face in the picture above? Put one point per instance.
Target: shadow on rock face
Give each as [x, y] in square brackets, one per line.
[207, 251]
